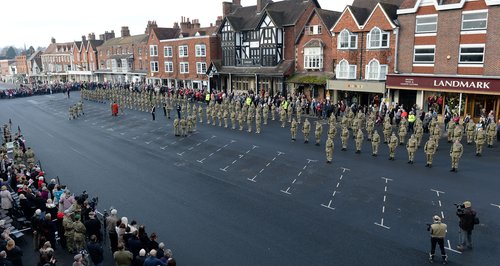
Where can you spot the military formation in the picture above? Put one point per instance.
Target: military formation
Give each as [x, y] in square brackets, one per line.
[20, 154]
[75, 110]
[242, 112]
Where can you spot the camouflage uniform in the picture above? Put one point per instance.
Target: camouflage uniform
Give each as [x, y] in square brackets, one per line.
[375, 142]
[411, 147]
[306, 128]
[429, 149]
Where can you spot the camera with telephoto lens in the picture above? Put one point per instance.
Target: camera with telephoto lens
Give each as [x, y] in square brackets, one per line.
[460, 208]
[428, 227]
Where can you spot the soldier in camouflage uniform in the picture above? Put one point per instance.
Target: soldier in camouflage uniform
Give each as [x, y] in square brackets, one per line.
[411, 147]
[387, 131]
[470, 128]
[266, 113]
[344, 137]
[273, 112]
[457, 132]
[318, 131]
[293, 129]
[480, 140]
[306, 128]
[450, 129]
[283, 117]
[375, 143]
[299, 112]
[257, 122]
[359, 140]
[491, 131]
[429, 149]
[393, 143]
[456, 152]
[329, 150]
[249, 120]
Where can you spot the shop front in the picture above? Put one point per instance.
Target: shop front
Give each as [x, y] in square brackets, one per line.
[356, 92]
[476, 96]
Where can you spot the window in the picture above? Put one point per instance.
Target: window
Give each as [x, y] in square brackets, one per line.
[169, 67]
[201, 68]
[154, 66]
[378, 38]
[183, 51]
[347, 40]
[153, 50]
[426, 24]
[201, 50]
[167, 51]
[184, 66]
[313, 58]
[475, 20]
[346, 71]
[139, 51]
[424, 54]
[471, 54]
[313, 30]
[376, 71]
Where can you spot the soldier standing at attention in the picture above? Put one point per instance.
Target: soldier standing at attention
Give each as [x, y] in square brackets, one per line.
[332, 131]
[419, 132]
[450, 128]
[240, 120]
[491, 131]
[257, 122]
[233, 119]
[265, 113]
[359, 140]
[469, 129]
[344, 136]
[402, 133]
[375, 143]
[370, 124]
[250, 120]
[299, 111]
[393, 143]
[273, 111]
[283, 116]
[293, 129]
[456, 152]
[457, 132]
[226, 118]
[429, 149]
[318, 132]
[436, 133]
[200, 113]
[329, 150]
[306, 128]
[289, 113]
[387, 131]
[411, 147]
[355, 127]
[480, 139]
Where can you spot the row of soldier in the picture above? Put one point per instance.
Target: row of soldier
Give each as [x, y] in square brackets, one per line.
[76, 110]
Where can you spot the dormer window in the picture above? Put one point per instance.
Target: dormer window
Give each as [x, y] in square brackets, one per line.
[313, 30]
[378, 39]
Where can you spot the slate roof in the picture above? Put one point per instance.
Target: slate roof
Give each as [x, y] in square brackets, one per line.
[363, 8]
[166, 33]
[329, 17]
[59, 48]
[35, 55]
[283, 13]
[136, 39]
[95, 43]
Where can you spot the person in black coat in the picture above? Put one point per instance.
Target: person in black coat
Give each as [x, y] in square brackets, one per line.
[93, 227]
[95, 250]
[14, 253]
[134, 244]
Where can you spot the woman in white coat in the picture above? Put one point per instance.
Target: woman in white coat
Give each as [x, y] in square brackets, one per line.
[6, 199]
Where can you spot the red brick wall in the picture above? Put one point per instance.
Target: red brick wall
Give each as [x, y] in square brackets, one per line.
[325, 37]
[448, 41]
[406, 43]
[492, 54]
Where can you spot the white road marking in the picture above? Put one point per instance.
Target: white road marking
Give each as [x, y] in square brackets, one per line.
[180, 154]
[338, 184]
[234, 161]
[437, 192]
[439, 201]
[450, 249]
[295, 180]
[50, 135]
[300, 173]
[495, 205]
[191, 148]
[211, 154]
[383, 209]
[267, 165]
[381, 224]
[164, 147]
[198, 144]
[224, 169]
[287, 191]
[219, 149]
[384, 198]
[261, 170]
[201, 161]
[328, 206]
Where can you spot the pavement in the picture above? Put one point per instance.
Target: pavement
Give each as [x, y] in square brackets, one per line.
[225, 197]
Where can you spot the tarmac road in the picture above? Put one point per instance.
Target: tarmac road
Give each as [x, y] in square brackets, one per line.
[224, 197]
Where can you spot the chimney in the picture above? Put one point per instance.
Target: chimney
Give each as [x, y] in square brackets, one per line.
[112, 34]
[101, 37]
[91, 36]
[226, 8]
[53, 40]
[125, 31]
[196, 24]
[260, 5]
[151, 25]
[176, 25]
[84, 38]
[218, 22]
[185, 24]
[237, 2]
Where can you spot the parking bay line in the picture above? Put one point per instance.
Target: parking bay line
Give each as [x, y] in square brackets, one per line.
[287, 191]
[267, 165]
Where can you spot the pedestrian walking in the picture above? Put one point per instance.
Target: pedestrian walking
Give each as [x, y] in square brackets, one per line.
[438, 234]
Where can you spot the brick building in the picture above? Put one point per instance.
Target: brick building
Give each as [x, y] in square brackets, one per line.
[123, 59]
[365, 41]
[35, 67]
[449, 51]
[258, 45]
[179, 56]
[85, 60]
[314, 55]
[56, 61]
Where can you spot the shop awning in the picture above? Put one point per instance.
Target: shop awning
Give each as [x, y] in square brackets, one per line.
[309, 79]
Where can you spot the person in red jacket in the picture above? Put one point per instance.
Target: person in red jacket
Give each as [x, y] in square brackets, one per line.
[114, 109]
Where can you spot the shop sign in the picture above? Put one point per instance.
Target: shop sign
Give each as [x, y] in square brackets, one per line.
[487, 85]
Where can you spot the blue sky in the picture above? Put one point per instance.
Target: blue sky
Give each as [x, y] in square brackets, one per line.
[34, 22]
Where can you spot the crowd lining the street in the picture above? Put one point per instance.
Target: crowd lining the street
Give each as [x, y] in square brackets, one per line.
[58, 218]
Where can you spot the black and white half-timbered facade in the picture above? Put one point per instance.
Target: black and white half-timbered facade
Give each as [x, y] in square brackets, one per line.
[254, 42]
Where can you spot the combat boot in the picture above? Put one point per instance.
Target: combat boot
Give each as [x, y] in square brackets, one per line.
[445, 259]
[431, 258]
